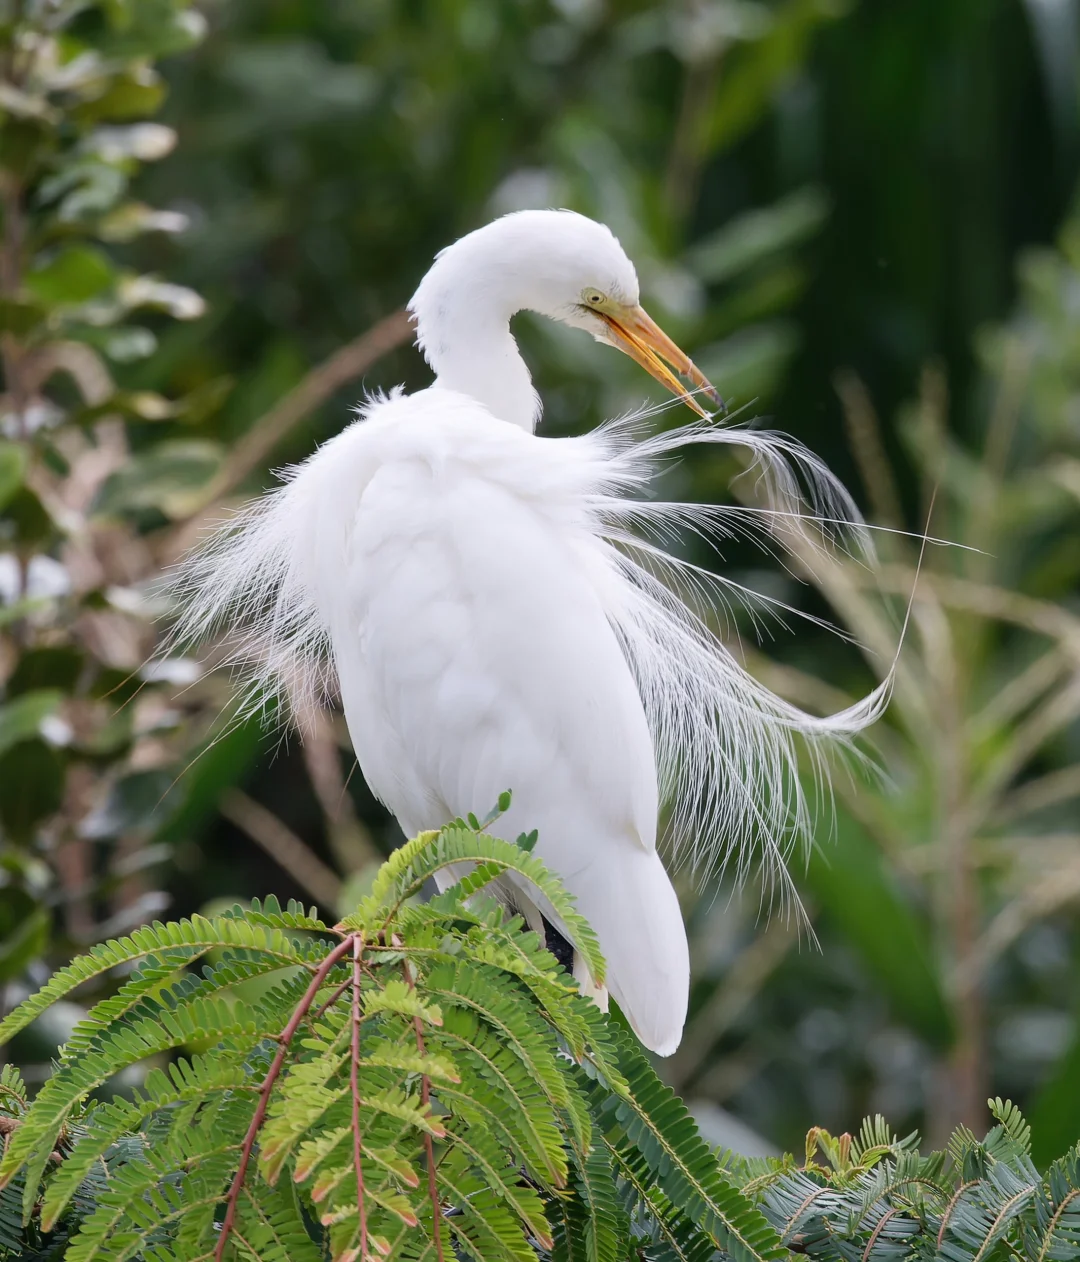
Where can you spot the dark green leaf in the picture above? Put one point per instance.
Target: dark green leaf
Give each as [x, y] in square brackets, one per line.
[13, 462]
[45, 668]
[74, 275]
[29, 520]
[172, 477]
[1055, 1110]
[20, 316]
[24, 930]
[31, 786]
[21, 719]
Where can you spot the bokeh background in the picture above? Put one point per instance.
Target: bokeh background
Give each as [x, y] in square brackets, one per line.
[858, 217]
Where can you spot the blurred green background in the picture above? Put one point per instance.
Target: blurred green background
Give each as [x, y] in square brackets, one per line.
[856, 215]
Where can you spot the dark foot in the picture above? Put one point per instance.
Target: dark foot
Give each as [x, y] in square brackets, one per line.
[562, 950]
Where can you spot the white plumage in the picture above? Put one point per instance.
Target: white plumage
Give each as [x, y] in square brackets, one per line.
[495, 611]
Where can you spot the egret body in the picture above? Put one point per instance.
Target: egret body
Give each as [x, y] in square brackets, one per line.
[487, 608]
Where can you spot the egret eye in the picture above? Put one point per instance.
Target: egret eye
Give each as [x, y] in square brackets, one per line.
[594, 297]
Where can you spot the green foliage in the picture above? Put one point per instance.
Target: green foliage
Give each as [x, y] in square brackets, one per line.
[859, 894]
[877, 1197]
[416, 1058]
[426, 1081]
[78, 80]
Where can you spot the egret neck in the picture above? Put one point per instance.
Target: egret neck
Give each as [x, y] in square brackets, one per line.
[462, 311]
[469, 345]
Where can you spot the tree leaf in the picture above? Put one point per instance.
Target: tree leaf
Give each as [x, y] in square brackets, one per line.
[170, 477]
[13, 462]
[22, 718]
[73, 275]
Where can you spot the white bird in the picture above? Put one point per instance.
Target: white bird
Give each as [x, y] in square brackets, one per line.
[495, 613]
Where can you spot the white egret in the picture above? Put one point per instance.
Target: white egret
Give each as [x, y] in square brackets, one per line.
[495, 612]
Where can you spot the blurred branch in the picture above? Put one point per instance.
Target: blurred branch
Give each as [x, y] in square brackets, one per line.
[1001, 430]
[876, 633]
[351, 361]
[349, 840]
[343, 366]
[959, 902]
[864, 438]
[80, 362]
[933, 431]
[283, 846]
[1051, 620]
[1021, 691]
[1053, 890]
[1035, 795]
[729, 1074]
[687, 150]
[1025, 741]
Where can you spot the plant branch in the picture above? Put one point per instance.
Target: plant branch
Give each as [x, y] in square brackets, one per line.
[865, 441]
[350, 842]
[986, 519]
[955, 1200]
[1054, 889]
[332, 1000]
[868, 1251]
[1041, 616]
[687, 151]
[959, 893]
[354, 1084]
[351, 361]
[338, 953]
[1035, 795]
[347, 363]
[1021, 691]
[283, 846]
[429, 1147]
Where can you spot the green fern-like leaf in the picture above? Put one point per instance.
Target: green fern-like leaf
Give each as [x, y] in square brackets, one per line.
[603, 1223]
[658, 1228]
[406, 871]
[178, 943]
[1015, 1132]
[1053, 1232]
[656, 1122]
[437, 1056]
[983, 1214]
[185, 1081]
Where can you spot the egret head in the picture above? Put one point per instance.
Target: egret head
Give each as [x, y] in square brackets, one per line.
[561, 265]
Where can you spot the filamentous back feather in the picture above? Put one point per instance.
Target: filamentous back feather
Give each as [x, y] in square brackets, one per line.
[727, 747]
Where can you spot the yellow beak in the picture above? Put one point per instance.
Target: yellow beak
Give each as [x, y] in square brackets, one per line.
[636, 333]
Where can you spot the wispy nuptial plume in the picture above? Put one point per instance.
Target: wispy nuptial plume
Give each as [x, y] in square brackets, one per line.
[728, 748]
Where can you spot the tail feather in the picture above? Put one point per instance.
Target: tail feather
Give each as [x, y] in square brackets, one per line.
[634, 910]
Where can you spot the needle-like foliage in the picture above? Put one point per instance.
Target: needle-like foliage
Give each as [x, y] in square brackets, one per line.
[875, 1198]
